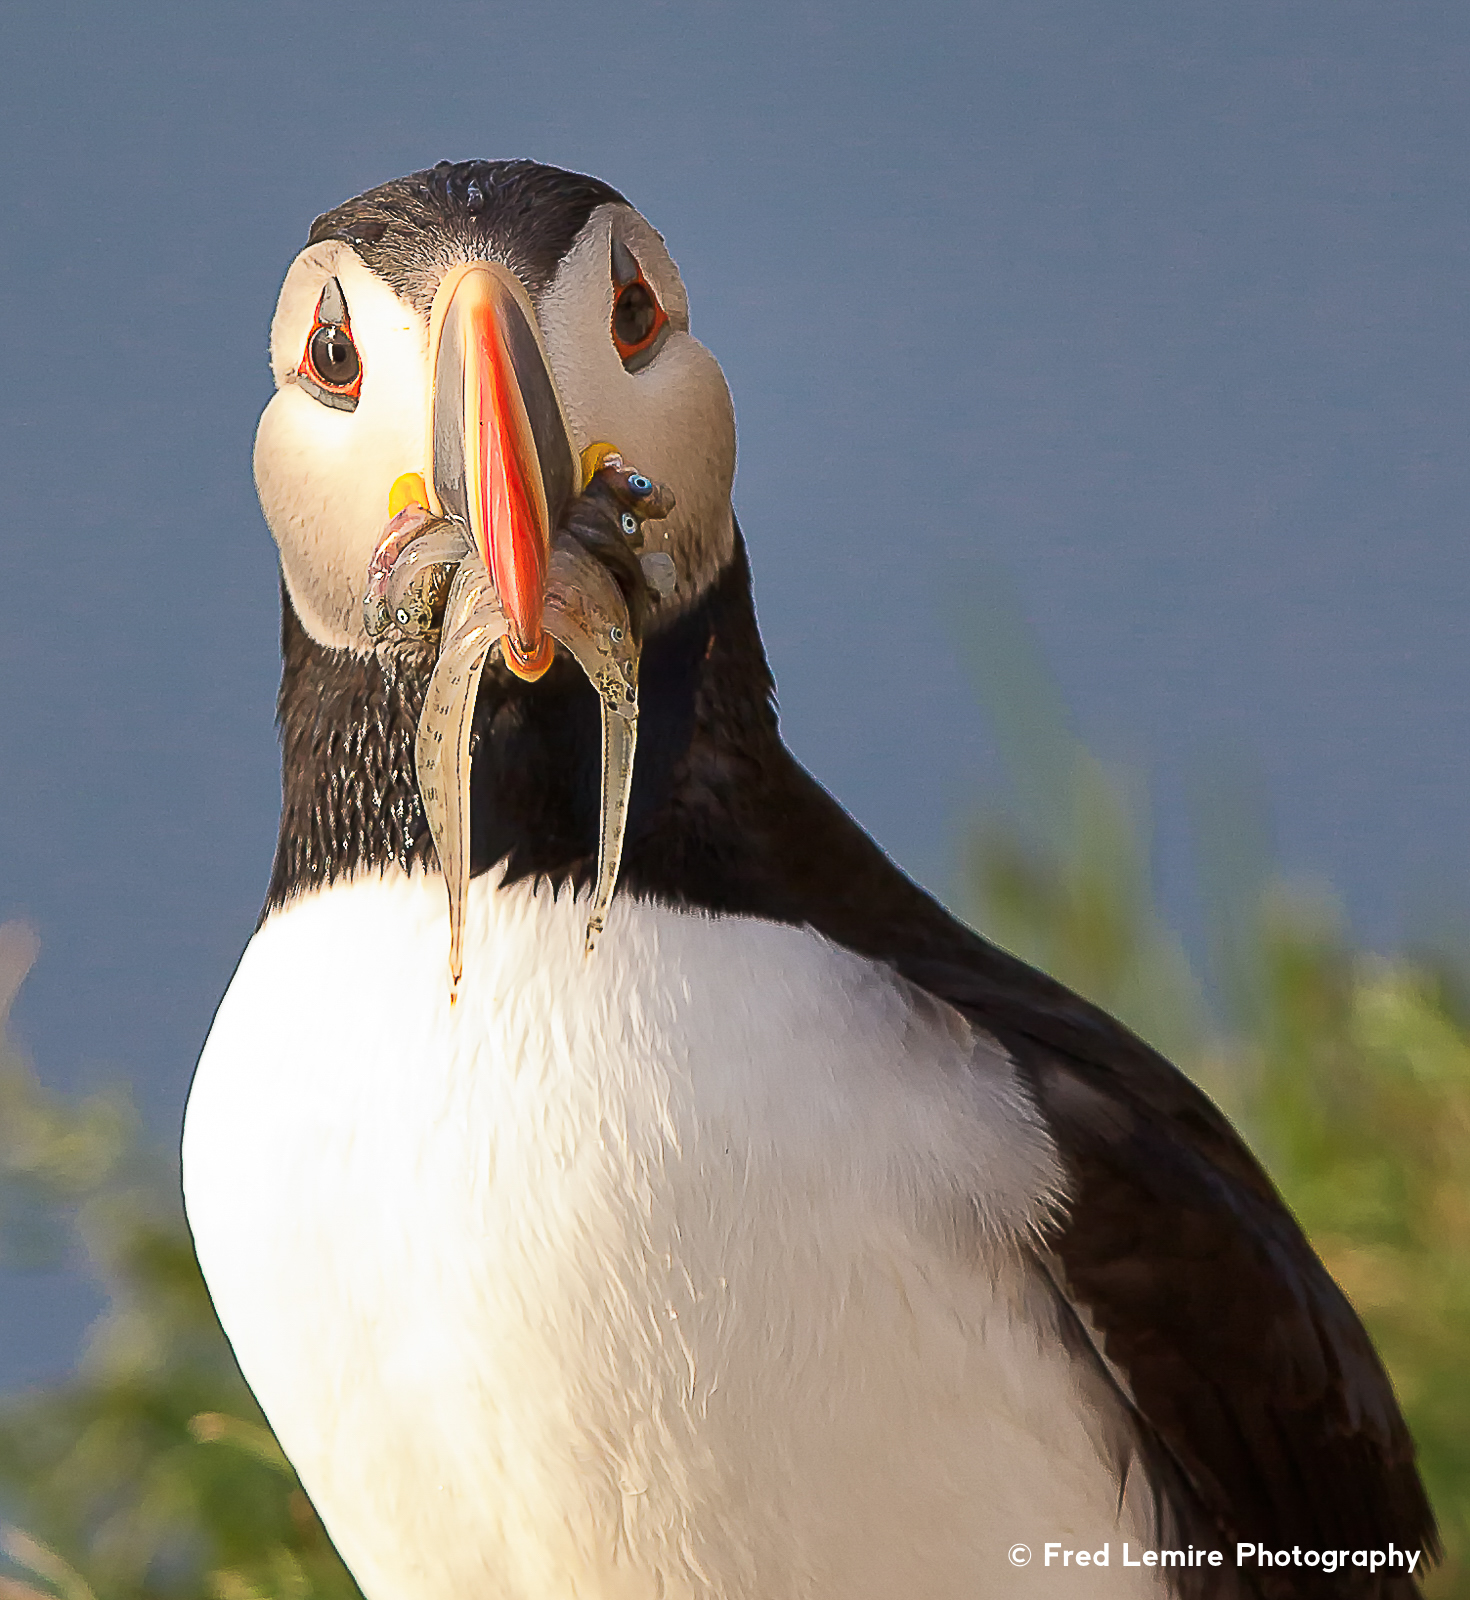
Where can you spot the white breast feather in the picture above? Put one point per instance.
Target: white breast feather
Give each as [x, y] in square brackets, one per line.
[685, 1270]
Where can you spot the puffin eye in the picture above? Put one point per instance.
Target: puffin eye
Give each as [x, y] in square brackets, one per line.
[331, 369]
[333, 357]
[639, 323]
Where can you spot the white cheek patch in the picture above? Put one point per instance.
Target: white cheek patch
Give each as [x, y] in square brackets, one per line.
[323, 475]
[674, 419]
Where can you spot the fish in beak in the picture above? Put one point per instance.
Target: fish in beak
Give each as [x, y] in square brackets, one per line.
[475, 552]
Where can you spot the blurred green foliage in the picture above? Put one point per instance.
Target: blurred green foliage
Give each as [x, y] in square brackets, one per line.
[1348, 1073]
[151, 1473]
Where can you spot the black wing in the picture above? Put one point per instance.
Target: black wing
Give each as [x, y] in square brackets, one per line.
[1262, 1410]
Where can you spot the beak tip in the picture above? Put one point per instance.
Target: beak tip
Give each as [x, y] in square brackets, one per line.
[529, 665]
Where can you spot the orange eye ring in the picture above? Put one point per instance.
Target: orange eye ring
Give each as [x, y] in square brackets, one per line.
[330, 367]
[638, 322]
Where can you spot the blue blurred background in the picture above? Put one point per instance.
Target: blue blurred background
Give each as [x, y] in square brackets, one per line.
[1146, 320]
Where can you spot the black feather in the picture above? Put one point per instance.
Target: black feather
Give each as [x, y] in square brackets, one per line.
[524, 213]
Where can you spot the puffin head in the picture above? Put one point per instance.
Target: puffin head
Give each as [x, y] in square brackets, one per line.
[390, 294]
[498, 467]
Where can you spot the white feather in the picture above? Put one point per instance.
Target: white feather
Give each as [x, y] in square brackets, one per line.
[323, 475]
[685, 1270]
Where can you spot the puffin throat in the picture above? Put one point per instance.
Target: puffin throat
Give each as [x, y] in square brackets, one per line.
[350, 799]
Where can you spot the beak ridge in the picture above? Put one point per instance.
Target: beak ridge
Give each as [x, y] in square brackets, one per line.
[499, 451]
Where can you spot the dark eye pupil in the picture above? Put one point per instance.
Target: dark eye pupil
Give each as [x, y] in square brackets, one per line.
[334, 356]
[634, 315]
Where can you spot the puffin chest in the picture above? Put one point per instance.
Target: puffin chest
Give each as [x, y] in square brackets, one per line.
[563, 1276]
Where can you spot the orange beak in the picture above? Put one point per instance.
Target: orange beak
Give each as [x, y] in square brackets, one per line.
[501, 460]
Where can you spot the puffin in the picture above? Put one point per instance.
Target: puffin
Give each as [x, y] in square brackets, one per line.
[615, 1177]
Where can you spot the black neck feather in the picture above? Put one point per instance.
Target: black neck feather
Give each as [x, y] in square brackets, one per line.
[707, 728]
